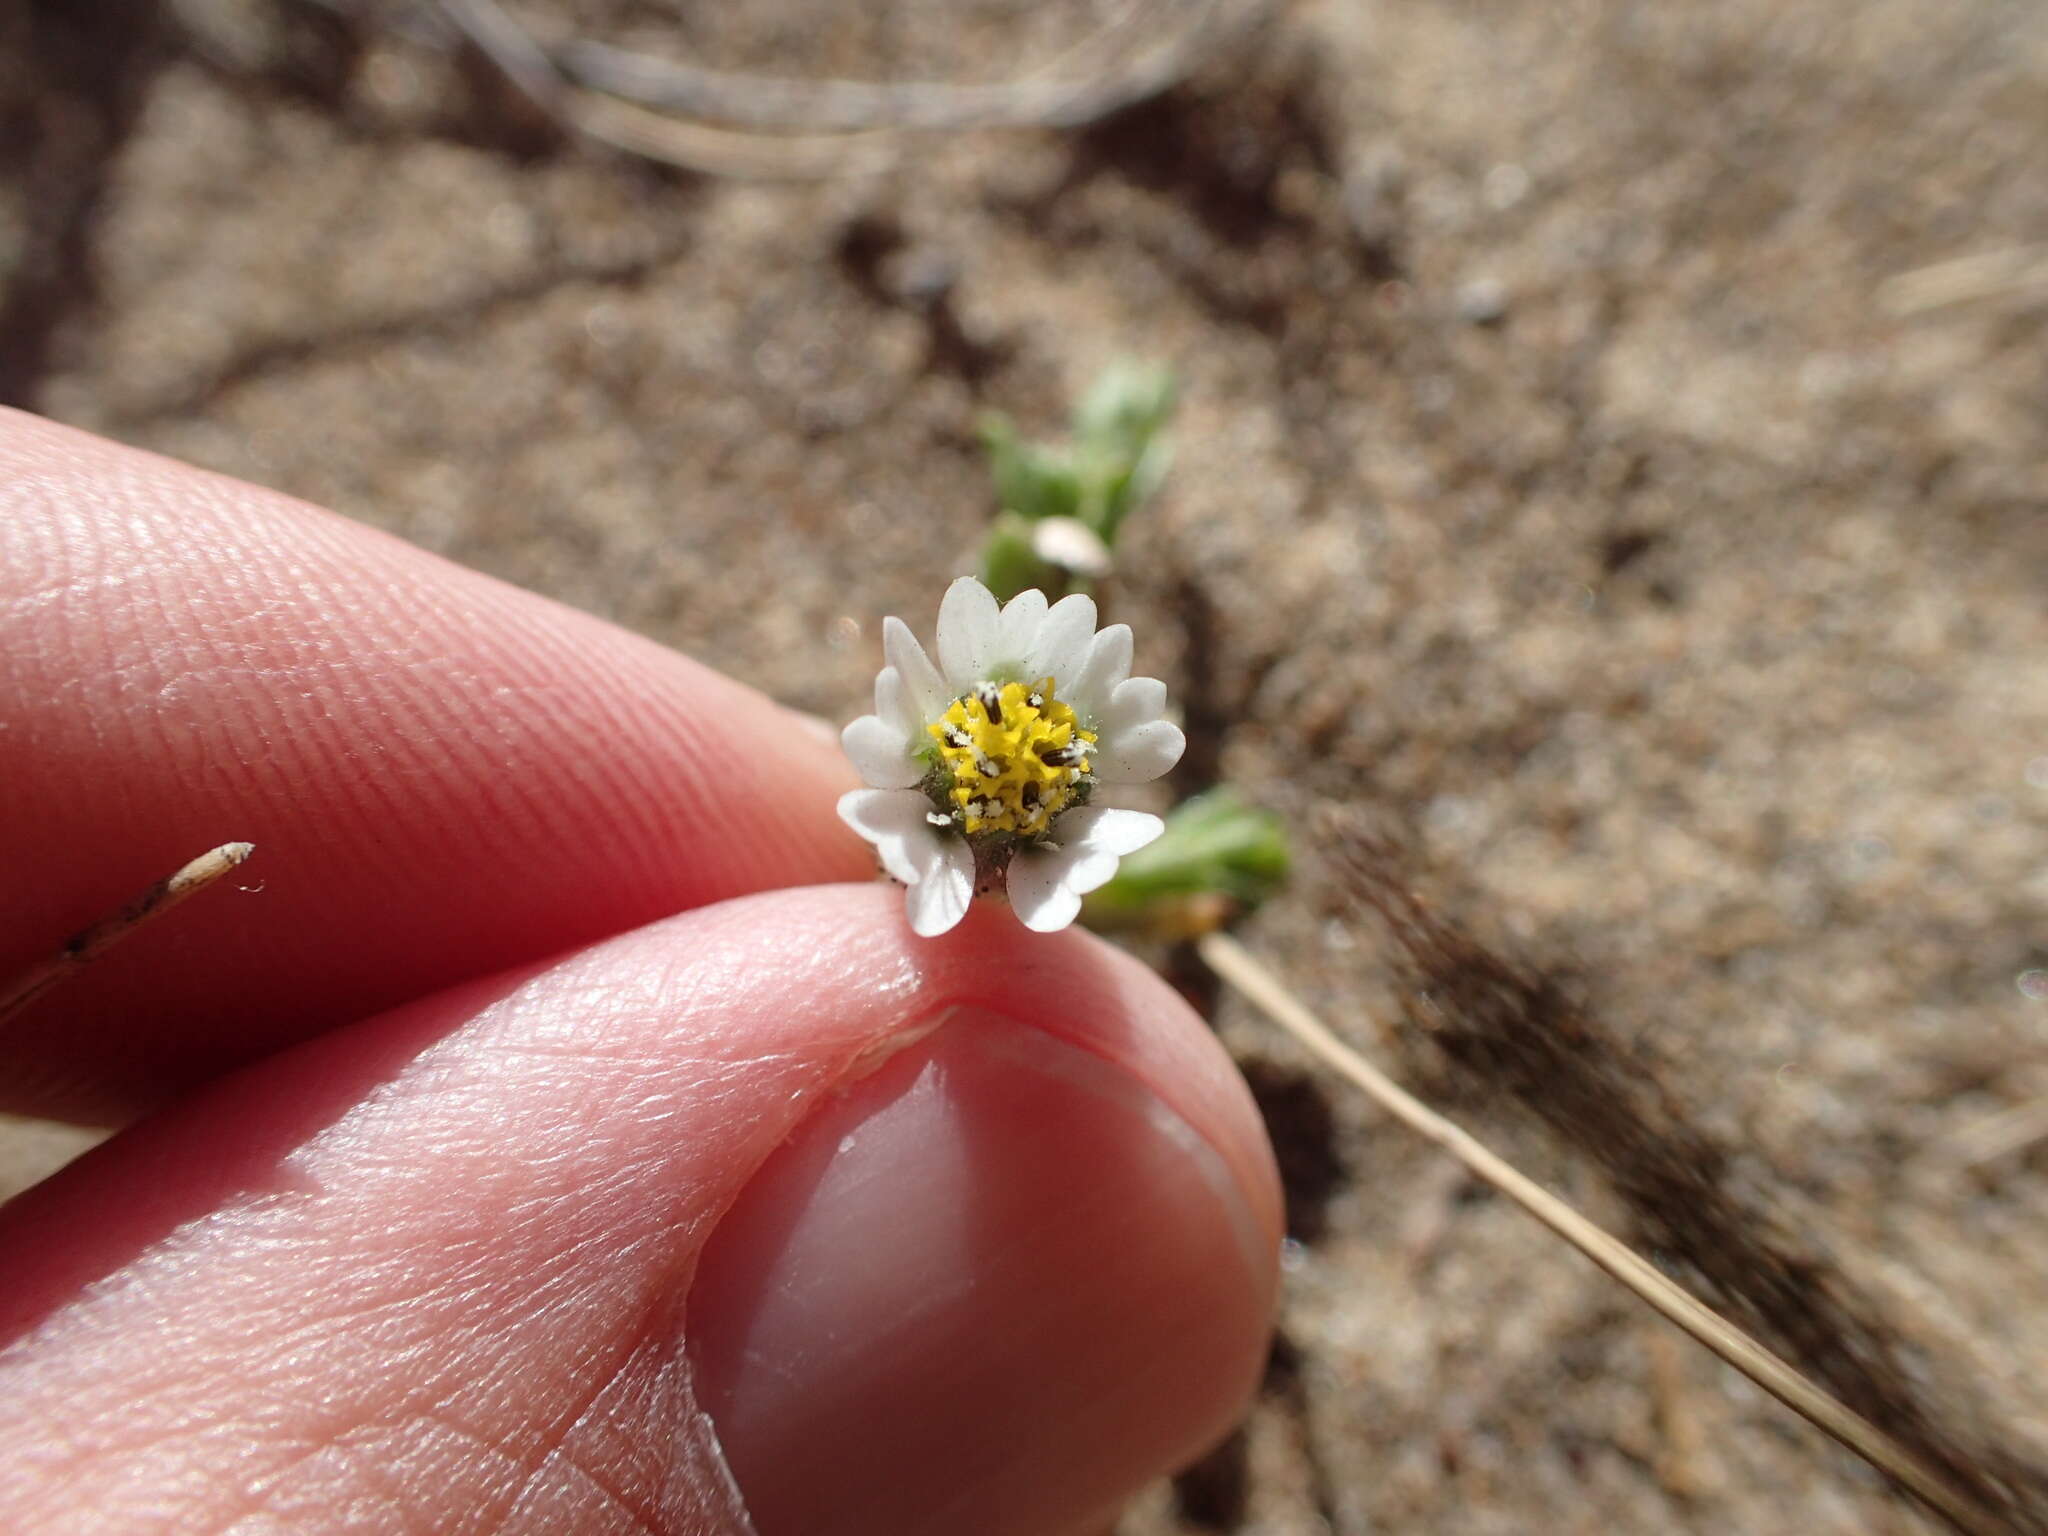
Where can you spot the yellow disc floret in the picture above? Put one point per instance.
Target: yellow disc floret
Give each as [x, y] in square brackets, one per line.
[1016, 754]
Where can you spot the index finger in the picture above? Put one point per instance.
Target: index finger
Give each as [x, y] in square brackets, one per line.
[443, 775]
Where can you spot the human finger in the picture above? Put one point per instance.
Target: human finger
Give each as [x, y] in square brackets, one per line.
[974, 1234]
[443, 775]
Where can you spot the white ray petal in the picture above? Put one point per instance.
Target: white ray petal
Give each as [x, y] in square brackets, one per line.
[970, 634]
[894, 821]
[1046, 885]
[1039, 894]
[1063, 639]
[1134, 701]
[923, 685]
[940, 899]
[1023, 615]
[880, 753]
[1095, 837]
[895, 705]
[1138, 754]
[1108, 663]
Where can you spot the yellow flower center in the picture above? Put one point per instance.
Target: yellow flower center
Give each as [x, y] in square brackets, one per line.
[1016, 754]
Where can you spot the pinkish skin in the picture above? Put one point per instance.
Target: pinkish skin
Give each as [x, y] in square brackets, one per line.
[974, 1234]
[443, 775]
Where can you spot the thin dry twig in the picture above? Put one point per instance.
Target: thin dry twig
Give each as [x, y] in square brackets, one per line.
[724, 151]
[2020, 270]
[512, 51]
[1997, 1136]
[89, 943]
[1096, 77]
[509, 47]
[1234, 964]
[1514, 1028]
[801, 129]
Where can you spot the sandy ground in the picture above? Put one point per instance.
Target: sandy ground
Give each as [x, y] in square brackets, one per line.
[1568, 487]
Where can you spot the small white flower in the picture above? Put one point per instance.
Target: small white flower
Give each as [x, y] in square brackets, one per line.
[982, 766]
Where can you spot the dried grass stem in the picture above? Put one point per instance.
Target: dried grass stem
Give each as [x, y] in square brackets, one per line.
[1235, 965]
[88, 943]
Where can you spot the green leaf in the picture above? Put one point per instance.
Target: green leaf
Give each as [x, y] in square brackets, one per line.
[1214, 846]
[1008, 562]
[1124, 409]
[1033, 480]
[1117, 459]
[1119, 446]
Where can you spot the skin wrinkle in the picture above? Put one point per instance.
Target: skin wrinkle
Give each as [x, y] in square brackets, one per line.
[362, 1459]
[605, 774]
[549, 1307]
[655, 1337]
[554, 1441]
[449, 1088]
[156, 1477]
[268, 1499]
[359, 1513]
[286, 685]
[552, 1306]
[603, 770]
[557, 1498]
[227, 656]
[567, 1467]
[451, 1080]
[426, 1450]
[525, 1461]
[440, 729]
[397, 1419]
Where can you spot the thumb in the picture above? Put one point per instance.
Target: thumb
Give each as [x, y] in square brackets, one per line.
[768, 1217]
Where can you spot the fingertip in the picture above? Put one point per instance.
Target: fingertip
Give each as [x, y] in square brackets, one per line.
[983, 1234]
[997, 1286]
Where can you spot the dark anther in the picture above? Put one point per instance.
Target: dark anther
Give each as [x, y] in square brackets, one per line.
[992, 701]
[1029, 793]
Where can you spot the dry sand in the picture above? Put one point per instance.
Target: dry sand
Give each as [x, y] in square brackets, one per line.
[1560, 487]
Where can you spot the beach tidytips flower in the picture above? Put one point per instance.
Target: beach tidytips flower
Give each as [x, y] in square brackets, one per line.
[983, 767]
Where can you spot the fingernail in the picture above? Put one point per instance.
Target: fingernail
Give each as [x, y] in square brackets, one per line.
[994, 1287]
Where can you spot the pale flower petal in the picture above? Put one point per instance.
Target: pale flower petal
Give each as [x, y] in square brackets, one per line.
[880, 754]
[1138, 754]
[895, 705]
[1046, 885]
[1108, 663]
[1098, 836]
[1042, 902]
[1135, 700]
[1120, 832]
[894, 821]
[922, 683]
[1022, 617]
[940, 899]
[1063, 640]
[970, 634]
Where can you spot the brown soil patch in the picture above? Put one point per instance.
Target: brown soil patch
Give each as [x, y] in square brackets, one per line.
[1558, 489]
